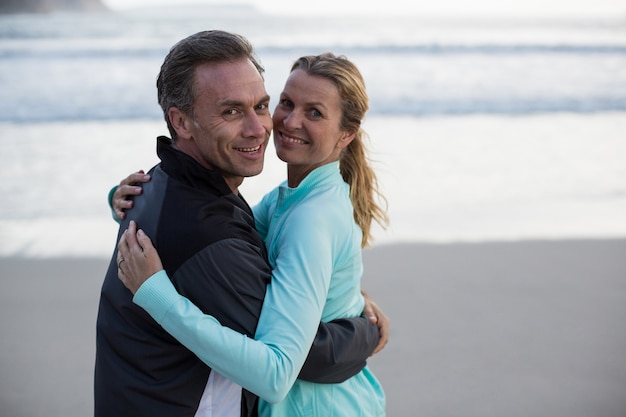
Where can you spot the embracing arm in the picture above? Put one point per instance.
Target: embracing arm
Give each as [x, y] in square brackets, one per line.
[340, 348]
[262, 369]
[267, 367]
[266, 370]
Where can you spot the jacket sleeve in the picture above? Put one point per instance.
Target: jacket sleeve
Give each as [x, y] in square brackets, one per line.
[341, 347]
[289, 320]
[110, 201]
[267, 370]
[340, 350]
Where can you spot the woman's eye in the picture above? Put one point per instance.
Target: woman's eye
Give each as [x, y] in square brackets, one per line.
[316, 114]
[286, 103]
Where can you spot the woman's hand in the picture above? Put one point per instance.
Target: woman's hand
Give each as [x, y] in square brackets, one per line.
[128, 187]
[137, 259]
[376, 315]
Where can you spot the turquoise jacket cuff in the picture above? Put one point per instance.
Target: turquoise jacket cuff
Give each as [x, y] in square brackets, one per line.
[110, 200]
[157, 295]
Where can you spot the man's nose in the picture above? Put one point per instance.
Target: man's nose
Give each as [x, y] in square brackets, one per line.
[256, 126]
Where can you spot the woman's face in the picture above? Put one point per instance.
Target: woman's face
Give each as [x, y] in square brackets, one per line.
[307, 132]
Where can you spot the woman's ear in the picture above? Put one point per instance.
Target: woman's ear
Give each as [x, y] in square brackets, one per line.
[345, 139]
[180, 122]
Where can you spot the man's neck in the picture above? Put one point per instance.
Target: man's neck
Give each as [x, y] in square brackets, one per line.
[233, 182]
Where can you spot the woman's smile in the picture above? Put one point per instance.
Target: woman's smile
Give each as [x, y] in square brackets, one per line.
[288, 139]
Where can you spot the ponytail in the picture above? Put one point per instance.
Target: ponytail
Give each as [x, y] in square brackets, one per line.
[365, 194]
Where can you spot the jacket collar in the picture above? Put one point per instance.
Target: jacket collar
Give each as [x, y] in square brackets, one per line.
[187, 170]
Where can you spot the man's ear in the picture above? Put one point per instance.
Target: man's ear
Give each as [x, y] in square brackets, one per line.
[181, 122]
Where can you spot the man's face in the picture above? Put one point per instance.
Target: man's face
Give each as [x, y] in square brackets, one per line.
[231, 124]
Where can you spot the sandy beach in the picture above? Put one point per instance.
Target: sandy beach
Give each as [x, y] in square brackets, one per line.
[532, 329]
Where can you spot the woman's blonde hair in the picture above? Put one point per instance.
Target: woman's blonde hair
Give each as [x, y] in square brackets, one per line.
[354, 163]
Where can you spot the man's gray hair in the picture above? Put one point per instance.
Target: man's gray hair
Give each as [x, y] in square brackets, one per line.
[175, 83]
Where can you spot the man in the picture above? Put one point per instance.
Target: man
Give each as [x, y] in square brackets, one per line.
[215, 104]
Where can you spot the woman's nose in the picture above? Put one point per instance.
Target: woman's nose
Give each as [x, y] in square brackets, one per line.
[293, 120]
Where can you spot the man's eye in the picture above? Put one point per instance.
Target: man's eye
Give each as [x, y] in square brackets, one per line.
[286, 103]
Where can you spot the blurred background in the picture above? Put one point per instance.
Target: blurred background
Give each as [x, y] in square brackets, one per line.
[489, 119]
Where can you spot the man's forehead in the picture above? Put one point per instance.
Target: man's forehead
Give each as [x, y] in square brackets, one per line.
[237, 81]
[227, 70]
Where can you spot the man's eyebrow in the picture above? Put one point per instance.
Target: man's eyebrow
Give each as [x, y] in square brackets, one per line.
[231, 103]
[239, 103]
[264, 99]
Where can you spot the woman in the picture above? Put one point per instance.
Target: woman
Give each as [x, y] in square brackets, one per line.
[316, 222]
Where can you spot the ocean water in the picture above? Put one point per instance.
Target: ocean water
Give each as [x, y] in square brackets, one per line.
[480, 129]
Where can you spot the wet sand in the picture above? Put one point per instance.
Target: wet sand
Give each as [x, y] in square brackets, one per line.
[480, 329]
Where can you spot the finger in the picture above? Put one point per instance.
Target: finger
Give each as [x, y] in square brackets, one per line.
[383, 330]
[383, 327]
[120, 203]
[131, 238]
[144, 241]
[368, 312]
[124, 191]
[122, 246]
[119, 214]
[140, 177]
[121, 198]
[382, 342]
[121, 274]
[135, 178]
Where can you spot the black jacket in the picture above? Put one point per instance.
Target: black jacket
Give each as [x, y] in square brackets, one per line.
[209, 247]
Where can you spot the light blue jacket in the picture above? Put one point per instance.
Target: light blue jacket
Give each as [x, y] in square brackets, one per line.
[314, 250]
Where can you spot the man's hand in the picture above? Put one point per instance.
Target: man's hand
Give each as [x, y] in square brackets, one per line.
[128, 187]
[137, 259]
[376, 315]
